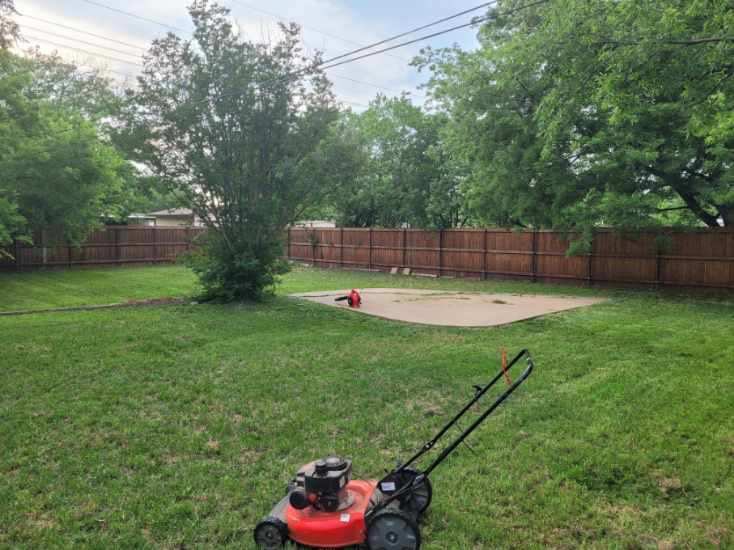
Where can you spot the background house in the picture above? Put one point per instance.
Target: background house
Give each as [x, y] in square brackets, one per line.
[322, 224]
[137, 218]
[176, 217]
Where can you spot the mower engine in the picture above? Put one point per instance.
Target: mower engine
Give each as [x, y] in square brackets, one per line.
[323, 485]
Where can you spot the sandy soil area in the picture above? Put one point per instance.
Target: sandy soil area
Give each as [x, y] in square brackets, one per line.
[456, 309]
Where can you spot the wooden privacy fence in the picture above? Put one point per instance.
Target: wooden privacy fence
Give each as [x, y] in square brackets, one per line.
[111, 245]
[672, 257]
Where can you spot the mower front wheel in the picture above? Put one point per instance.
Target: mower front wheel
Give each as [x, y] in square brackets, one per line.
[393, 529]
[271, 533]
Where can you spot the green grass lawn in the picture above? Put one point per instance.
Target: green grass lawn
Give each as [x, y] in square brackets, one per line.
[77, 287]
[80, 287]
[179, 426]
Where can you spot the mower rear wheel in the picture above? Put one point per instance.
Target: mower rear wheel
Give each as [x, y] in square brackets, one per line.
[419, 499]
[393, 529]
[271, 533]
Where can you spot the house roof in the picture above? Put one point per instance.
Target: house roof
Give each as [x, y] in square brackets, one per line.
[139, 216]
[173, 212]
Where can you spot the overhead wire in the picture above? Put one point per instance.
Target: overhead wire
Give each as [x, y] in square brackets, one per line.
[346, 57]
[413, 31]
[82, 50]
[134, 15]
[65, 37]
[69, 27]
[287, 19]
[328, 63]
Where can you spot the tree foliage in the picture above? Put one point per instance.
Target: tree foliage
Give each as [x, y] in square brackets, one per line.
[235, 126]
[575, 113]
[56, 170]
[403, 174]
[9, 32]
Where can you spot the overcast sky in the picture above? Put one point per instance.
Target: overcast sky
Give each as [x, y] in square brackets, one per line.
[333, 26]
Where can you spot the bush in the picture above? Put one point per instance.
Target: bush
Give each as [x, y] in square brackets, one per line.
[235, 271]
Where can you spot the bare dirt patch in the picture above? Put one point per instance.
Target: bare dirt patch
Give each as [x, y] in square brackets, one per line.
[458, 309]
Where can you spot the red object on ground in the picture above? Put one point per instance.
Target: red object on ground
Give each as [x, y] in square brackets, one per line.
[313, 527]
[355, 299]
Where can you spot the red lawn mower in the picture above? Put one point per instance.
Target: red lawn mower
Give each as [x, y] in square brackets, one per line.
[323, 507]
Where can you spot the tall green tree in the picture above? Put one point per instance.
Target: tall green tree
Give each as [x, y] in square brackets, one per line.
[235, 127]
[574, 113]
[406, 175]
[56, 171]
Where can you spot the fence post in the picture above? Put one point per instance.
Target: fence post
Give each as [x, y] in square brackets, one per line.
[117, 244]
[313, 247]
[440, 252]
[155, 245]
[44, 250]
[341, 247]
[484, 256]
[18, 265]
[534, 262]
[658, 265]
[590, 267]
[288, 243]
[405, 244]
[369, 262]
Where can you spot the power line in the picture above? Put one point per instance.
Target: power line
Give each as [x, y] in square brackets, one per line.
[343, 77]
[412, 31]
[134, 15]
[325, 64]
[403, 44]
[286, 19]
[81, 31]
[84, 51]
[80, 41]
[106, 70]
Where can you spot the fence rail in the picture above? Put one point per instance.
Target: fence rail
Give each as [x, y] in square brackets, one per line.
[672, 257]
[111, 245]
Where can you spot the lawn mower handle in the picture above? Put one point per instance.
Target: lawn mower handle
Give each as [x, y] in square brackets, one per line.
[480, 391]
[419, 479]
[448, 450]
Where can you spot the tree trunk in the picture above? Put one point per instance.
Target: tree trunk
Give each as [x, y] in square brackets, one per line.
[727, 214]
[709, 219]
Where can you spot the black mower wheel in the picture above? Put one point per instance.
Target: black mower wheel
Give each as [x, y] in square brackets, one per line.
[393, 529]
[420, 499]
[271, 533]
[417, 501]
